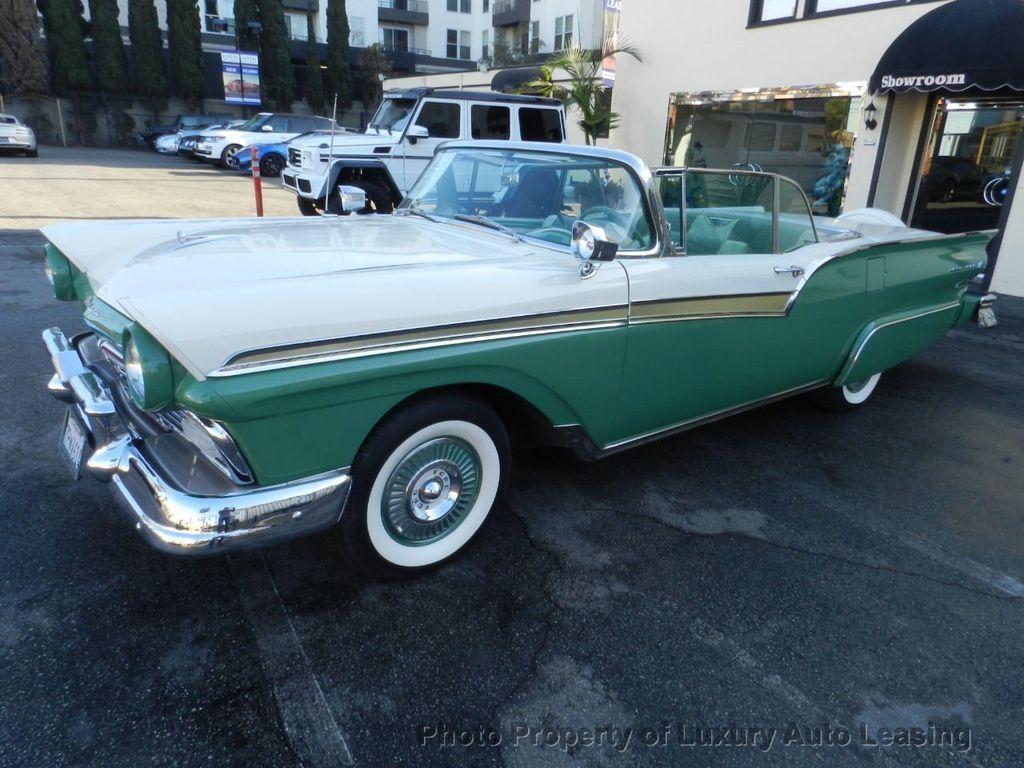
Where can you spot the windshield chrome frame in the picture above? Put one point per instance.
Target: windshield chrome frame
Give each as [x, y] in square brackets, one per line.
[660, 238]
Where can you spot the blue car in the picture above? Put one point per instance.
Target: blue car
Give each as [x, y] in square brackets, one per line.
[273, 157]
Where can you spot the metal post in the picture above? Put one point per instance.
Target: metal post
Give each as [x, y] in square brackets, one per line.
[60, 124]
[257, 187]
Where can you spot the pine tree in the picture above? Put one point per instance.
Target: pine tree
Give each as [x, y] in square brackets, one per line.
[148, 68]
[339, 76]
[277, 78]
[245, 12]
[108, 48]
[314, 85]
[185, 42]
[21, 49]
[373, 64]
[65, 42]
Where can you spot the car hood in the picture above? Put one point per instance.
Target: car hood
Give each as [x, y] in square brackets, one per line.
[347, 141]
[208, 290]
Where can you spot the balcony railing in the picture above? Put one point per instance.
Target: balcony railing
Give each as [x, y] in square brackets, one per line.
[404, 11]
[417, 51]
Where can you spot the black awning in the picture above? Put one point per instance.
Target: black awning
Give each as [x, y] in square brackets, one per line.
[509, 80]
[964, 44]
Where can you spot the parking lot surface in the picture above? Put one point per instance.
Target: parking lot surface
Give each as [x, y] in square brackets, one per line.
[63, 184]
[788, 569]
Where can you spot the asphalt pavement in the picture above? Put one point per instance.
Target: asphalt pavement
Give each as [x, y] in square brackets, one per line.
[786, 587]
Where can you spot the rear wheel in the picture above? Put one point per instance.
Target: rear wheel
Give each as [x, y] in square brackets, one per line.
[424, 483]
[846, 397]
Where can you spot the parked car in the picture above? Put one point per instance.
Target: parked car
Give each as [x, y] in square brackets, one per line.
[273, 156]
[168, 144]
[181, 123]
[190, 139]
[15, 136]
[401, 138]
[219, 145]
[249, 381]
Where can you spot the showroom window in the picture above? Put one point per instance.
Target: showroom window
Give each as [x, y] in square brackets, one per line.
[806, 138]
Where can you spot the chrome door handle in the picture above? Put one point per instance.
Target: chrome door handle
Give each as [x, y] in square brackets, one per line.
[793, 270]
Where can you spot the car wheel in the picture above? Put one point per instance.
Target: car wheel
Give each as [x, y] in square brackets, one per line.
[377, 199]
[846, 397]
[271, 165]
[229, 150]
[307, 207]
[424, 483]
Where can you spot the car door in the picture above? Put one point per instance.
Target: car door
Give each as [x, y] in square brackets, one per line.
[708, 326]
[442, 121]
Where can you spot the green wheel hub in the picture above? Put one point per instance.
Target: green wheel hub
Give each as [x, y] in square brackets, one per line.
[431, 491]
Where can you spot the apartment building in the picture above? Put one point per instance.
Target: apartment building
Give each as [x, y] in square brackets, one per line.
[426, 36]
[913, 106]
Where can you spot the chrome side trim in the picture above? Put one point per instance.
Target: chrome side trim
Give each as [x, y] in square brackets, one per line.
[576, 437]
[707, 307]
[855, 355]
[330, 350]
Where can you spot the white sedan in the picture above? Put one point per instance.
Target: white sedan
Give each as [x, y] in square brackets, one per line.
[220, 144]
[15, 136]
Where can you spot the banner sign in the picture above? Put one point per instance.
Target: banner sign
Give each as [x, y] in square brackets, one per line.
[240, 71]
[610, 41]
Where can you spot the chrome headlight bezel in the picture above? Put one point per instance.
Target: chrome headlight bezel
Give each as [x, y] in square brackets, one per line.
[58, 272]
[147, 370]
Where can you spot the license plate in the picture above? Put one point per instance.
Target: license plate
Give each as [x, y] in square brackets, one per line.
[73, 439]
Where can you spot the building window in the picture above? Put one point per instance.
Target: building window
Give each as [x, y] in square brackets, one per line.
[487, 6]
[356, 33]
[457, 46]
[824, 6]
[768, 11]
[563, 32]
[394, 38]
[460, 6]
[773, 10]
[534, 37]
[485, 48]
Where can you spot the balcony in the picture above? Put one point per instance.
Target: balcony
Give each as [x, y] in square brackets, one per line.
[508, 13]
[404, 11]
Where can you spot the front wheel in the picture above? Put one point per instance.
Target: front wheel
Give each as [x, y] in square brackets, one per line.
[424, 483]
[271, 165]
[227, 155]
[306, 207]
[846, 397]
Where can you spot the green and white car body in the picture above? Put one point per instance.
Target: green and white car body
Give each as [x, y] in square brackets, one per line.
[269, 353]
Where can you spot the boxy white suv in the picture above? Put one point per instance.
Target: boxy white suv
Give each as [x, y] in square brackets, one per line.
[403, 136]
[219, 144]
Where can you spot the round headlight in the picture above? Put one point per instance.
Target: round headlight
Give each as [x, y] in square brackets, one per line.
[147, 369]
[58, 273]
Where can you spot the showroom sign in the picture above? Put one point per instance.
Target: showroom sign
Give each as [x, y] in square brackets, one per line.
[240, 71]
[923, 81]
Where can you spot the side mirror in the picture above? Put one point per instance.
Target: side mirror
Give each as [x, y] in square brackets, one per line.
[590, 244]
[353, 199]
[417, 132]
[267, 128]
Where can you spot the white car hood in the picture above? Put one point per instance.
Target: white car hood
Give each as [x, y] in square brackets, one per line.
[344, 141]
[208, 290]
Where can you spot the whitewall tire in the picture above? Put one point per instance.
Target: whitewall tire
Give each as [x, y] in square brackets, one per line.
[848, 396]
[424, 483]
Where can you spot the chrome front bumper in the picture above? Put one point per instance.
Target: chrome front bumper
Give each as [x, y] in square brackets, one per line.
[166, 505]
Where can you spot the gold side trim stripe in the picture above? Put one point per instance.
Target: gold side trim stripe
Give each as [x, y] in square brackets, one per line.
[766, 304]
[587, 319]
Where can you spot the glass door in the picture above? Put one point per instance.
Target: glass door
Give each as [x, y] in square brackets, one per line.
[968, 158]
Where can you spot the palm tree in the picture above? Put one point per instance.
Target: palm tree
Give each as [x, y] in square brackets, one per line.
[585, 90]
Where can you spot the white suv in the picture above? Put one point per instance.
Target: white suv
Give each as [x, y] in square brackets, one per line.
[403, 136]
[219, 144]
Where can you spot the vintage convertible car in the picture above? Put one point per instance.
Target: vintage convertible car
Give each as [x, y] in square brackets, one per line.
[249, 381]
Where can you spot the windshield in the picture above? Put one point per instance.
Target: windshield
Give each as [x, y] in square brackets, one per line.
[536, 194]
[393, 114]
[253, 123]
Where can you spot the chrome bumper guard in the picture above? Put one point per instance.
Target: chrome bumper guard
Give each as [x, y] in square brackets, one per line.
[169, 516]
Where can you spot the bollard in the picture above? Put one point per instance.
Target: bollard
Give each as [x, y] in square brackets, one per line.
[257, 188]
